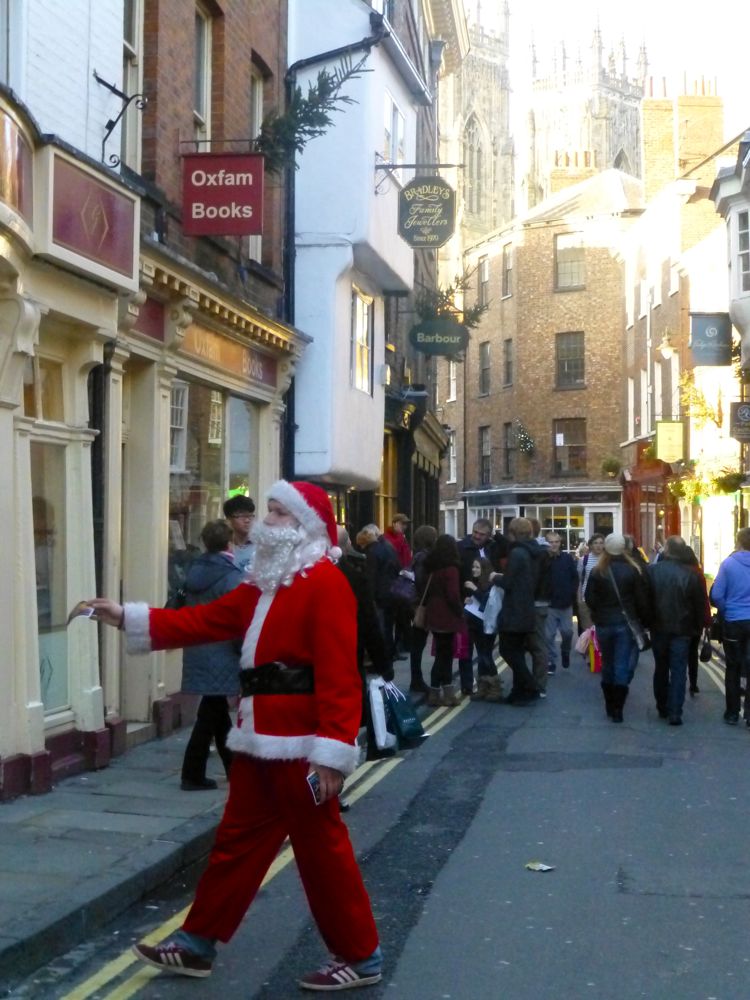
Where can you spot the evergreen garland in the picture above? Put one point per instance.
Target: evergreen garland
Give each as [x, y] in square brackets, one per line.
[524, 441]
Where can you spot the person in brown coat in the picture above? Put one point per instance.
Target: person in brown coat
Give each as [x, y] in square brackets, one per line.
[444, 612]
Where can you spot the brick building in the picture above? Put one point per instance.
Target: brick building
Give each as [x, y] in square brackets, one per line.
[530, 410]
[142, 371]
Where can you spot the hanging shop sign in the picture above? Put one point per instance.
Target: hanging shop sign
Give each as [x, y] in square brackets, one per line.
[222, 194]
[426, 212]
[711, 338]
[669, 440]
[442, 336]
[740, 421]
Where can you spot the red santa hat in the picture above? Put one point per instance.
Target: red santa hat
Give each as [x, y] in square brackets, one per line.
[311, 505]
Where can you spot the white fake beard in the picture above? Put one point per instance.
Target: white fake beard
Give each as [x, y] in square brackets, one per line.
[280, 553]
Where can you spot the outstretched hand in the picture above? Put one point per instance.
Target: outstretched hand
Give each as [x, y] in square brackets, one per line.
[107, 611]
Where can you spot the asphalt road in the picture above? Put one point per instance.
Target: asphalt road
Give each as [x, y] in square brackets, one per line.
[643, 823]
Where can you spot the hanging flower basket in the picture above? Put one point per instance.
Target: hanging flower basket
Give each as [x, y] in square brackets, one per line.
[729, 482]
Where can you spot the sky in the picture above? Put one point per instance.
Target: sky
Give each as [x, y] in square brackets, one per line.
[677, 37]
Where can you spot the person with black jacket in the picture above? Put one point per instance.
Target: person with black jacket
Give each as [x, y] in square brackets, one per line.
[537, 640]
[382, 569]
[424, 542]
[372, 655]
[563, 586]
[678, 615]
[517, 619]
[617, 590]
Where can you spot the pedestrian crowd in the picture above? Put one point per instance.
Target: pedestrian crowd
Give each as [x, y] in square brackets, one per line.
[284, 618]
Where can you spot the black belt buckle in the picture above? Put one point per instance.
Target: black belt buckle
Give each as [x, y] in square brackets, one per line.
[276, 678]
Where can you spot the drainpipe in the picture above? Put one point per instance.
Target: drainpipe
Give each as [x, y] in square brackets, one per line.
[290, 82]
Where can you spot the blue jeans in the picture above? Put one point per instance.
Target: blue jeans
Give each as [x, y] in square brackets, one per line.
[619, 653]
[670, 671]
[559, 620]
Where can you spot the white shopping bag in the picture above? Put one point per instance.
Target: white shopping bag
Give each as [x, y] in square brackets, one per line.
[492, 610]
[384, 738]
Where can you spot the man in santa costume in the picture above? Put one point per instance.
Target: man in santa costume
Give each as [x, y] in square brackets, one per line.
[297, 728]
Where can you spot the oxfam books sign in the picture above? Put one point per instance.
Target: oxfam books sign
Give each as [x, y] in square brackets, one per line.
[222, 194]
[443, 336]
[426, 212]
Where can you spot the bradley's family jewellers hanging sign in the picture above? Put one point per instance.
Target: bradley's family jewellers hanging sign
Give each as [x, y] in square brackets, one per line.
[426, 212]
[222, 194]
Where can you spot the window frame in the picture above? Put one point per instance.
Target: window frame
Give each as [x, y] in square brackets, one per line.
[362, 341]
[394, 130]
[483, 281]
[452, 381]
[573, 266]
[5, 42]
[507, 287]
[559, 427]
[743, 251]
[507, 361]
[509, 450]
[452, 472]
[202, 74]
[485, 368]
[567, 362]
[178, 431]
[132, 83]
[485, 454]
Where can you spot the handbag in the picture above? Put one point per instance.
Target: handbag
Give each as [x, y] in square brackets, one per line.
[582, 642]
[402, 717]
[639, 633]
[706, 650]
[385, 739]
[404, 591]
[420, 612]
[715, 632]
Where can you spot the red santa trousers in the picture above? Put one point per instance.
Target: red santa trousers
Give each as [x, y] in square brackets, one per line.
[268, 801]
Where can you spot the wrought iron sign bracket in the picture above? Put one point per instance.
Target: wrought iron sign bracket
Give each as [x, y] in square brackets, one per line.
[391, 168]
[140, 103]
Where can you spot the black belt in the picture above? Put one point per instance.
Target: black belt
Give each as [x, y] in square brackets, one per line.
[276, 678]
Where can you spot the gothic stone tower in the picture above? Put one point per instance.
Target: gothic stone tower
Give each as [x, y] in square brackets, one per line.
[584, 117]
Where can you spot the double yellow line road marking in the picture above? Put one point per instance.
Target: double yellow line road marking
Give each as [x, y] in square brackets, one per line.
[365, 778]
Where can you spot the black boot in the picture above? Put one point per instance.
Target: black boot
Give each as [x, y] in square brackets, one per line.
[620, 696]
[608, 691]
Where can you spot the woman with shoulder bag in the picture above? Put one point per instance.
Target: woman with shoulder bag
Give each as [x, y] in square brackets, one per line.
[424, 541]
[444, 616]
[617, 595]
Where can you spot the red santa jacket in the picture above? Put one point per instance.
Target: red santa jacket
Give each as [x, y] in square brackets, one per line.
[312, 622]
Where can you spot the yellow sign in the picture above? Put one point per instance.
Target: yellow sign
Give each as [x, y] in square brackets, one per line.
[669, 440]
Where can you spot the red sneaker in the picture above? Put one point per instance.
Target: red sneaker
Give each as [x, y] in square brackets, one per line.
[336, 975]
[173, 958]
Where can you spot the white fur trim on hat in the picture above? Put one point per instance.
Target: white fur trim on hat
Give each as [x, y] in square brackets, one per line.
[294, 502]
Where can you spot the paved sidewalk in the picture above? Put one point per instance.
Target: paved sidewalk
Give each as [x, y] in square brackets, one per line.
[72, 860]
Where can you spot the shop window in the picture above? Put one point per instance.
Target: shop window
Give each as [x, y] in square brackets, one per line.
[570, 262]
[484, 368]
[362, 341]
[566, 520]
[202, 76]
[507, 270]
[216, 419]
[569, 360]
[178, 426]
[132, 81]
[212, 445]
[743, 250]
[569, 447]
[48, 485]
[485, 456]
[43, 390]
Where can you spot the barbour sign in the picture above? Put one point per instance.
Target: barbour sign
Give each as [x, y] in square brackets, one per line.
[443, 336]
